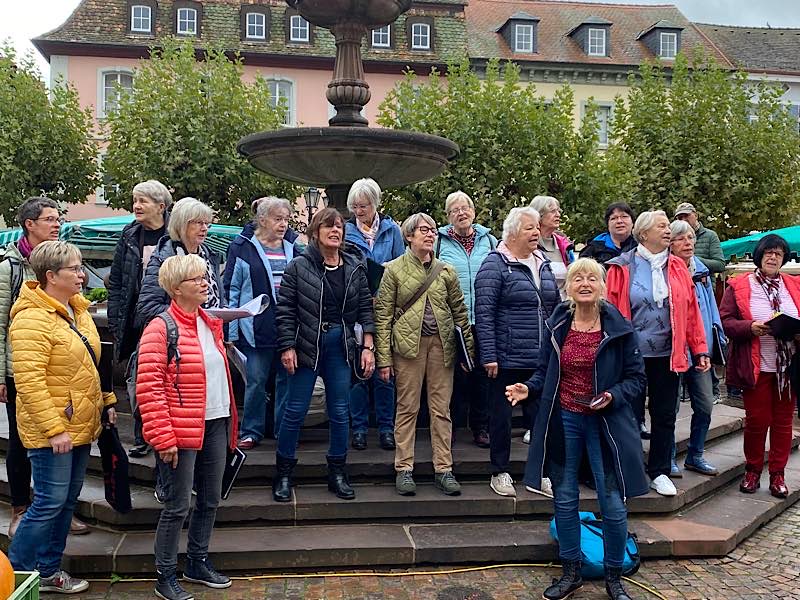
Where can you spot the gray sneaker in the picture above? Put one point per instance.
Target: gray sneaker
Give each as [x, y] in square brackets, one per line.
[447, 483]
[404, 483]
[62, 583]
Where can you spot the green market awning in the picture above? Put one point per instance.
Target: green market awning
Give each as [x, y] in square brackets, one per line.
[744, 246]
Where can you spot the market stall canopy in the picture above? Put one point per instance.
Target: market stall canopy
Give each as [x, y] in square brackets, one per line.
[101, 235]
[744, 246]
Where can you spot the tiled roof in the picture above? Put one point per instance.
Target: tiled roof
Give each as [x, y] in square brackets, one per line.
[105, 22]
[757, 48]
[557, 18]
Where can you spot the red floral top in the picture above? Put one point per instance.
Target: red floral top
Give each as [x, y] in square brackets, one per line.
[577, 370]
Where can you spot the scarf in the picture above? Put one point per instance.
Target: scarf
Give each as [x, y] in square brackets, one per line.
[785, 349]
[214, 295]
[24, 247]
[370, 232]
[657, 263]
[468, 241]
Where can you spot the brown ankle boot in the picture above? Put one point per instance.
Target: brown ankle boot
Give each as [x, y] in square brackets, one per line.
[78, 527]
[17, 512]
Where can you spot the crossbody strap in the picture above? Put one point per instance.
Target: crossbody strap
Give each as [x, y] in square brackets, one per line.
[84, 339]
[437, 268]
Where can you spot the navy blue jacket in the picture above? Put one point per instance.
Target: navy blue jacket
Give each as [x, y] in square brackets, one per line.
[619, 370]
[510, 311]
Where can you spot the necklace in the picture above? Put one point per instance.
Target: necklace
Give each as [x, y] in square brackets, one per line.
[575, 326]
[331, 267]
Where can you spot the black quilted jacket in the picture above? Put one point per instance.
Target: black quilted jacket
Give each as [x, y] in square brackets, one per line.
[299, 314]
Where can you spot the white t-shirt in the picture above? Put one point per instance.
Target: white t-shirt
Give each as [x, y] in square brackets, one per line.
[218, 402]
[533, 265]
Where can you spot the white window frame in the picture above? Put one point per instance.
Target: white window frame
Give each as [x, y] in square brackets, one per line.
[381, 32]
[596, 47]
[102, 88]
[418, 34]
[664, 35]
[604, 115]
[291, 99]
[143, 8]
[299, 24]
[100, 191]
[255, 25]
[186, 16]
[521, 31]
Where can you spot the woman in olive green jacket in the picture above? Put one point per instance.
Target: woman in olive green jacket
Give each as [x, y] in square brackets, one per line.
[419, 340]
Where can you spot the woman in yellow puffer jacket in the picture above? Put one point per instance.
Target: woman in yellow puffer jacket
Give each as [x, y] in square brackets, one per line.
[59, 405]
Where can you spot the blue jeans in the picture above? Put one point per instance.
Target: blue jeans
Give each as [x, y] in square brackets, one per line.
[701, 394]
[260, 363]
[335, 372]
[383, 395]
[42, 534]
[583, 431]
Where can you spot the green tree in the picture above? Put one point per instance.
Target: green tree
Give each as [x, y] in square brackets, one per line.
[514, 145]
[711, 138]
[180, 124]
[45, 138]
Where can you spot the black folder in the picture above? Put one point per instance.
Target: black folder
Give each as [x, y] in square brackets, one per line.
[374, 275]
[106, 366]
[463, 353]
[784, 327]
[234, 464]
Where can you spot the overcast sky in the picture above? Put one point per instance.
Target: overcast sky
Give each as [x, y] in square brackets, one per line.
[21, 20]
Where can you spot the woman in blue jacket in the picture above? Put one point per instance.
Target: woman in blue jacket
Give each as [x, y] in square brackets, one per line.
[256, 261]
[515, 292]
[590, 369]
[465, 245]
[378, 238]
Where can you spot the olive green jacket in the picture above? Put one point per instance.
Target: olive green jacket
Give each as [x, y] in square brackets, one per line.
[707, 248]
[401, 334]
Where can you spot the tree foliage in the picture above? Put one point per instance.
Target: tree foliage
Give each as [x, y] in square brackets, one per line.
[180, 125]
[514, 145]
[710, 138]
[45, 138]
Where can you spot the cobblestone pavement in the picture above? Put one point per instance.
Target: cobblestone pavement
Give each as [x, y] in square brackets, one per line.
[766, 566]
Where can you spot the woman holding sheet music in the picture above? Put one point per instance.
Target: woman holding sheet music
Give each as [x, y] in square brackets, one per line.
[760, 363]
[515, 292]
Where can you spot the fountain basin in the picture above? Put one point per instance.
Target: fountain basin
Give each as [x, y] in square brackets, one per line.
[371, 13]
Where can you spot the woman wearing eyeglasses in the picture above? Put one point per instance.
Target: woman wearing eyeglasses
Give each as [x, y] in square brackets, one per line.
[419, 305]
[188, 229]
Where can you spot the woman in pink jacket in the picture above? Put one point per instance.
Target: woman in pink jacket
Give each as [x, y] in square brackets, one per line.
[189, 418]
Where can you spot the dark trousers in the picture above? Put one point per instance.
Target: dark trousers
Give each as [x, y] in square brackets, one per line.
[662, 390]
[470, 403]
[500, 417]
[18, 465]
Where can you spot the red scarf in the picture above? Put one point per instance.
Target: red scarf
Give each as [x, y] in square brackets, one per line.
[785, 350]
[468, 241]
[24, 247]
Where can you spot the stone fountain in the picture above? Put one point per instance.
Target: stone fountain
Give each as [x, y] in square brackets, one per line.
[334, 157]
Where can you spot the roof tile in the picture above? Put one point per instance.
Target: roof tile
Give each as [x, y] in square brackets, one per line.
[757, 48]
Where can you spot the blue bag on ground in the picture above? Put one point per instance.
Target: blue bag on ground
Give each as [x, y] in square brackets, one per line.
[592, 550]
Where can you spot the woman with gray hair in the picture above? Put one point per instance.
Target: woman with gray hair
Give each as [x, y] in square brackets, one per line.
[556, 246]
[256, 261]
[188, 228]
[378, 238]
[654, 290]
[515, 293]
[418, 308]
[138, 241]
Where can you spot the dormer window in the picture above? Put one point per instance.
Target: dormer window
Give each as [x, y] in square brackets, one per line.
[299, 29]
[663, 39]
[420, 36]
[597, 42]
[187, 21]
[256, 26]
[668, 46]
[519, 32]
[141, 19]
[523, 38]
[382, 37]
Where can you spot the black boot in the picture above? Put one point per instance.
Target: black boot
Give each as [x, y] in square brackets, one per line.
[338, 482]
[614, 587]
[570, 581]
[282, 484]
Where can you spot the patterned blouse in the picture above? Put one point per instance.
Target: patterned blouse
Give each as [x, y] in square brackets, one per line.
[577, 370]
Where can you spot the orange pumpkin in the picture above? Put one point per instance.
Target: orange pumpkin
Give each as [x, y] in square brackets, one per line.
[6, 577]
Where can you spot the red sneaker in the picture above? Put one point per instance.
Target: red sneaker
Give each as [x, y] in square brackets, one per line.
[750, 483]
[777, 485]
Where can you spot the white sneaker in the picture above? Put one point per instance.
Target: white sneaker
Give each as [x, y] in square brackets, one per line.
[503, 484]
[62, 583]
[526, 439]
[663, 485]
[547, 488]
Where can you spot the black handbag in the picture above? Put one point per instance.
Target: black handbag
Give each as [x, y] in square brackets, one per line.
[115, 469]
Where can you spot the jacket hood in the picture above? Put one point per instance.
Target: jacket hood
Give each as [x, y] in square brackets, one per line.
[623, 260]
[480, 230]
[699, 267]
[249, 230]
[313, 254]
[614, 324]
[503, 252]
[31, 295]
[607, 240]
[12, 251]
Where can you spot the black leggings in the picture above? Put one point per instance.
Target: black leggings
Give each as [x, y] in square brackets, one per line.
[18, 466]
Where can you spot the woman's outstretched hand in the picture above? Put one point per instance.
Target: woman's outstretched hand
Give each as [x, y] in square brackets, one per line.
[516, 393]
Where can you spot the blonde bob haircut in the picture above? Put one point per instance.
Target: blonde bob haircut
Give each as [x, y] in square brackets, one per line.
[585, 266]
[52, 255]
[177, 269]
[186, 210]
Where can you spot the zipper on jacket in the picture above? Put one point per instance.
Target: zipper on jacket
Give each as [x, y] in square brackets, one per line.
[319, 322]
[553, 403]
[344, 326]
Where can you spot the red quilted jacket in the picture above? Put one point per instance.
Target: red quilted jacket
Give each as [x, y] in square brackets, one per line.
[170, 420]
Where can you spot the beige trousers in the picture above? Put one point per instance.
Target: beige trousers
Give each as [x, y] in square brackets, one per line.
[409, 375]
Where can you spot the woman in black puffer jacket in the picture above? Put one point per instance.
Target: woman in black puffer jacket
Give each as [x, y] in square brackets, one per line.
[323, 294]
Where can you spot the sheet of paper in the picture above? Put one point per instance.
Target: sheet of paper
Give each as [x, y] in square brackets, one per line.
[255, 307]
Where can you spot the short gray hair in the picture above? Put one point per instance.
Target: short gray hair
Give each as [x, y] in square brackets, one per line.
[186, 209]
[410, 225]
[156, 191]
[52, 255]
[364, 189]
[513, 221]
[678, 228]
[456, 197]
[545, 204]
[32, 209]
[645, 221]
[270, 203]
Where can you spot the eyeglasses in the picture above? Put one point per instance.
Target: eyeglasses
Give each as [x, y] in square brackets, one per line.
[205, 224]
[52, 220]
[77, 269]
[197, 280]
[425, 230]
[460, 209]
[776, 253]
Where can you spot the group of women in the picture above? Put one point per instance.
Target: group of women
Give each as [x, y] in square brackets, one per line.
[581, 344]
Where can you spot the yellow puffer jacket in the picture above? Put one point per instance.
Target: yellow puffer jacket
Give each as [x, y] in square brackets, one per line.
[53, 369]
